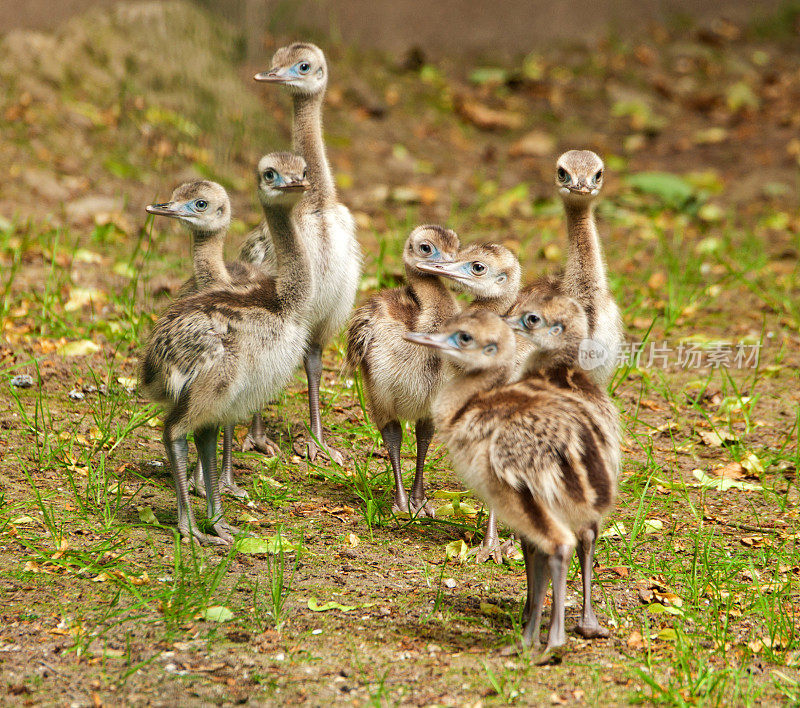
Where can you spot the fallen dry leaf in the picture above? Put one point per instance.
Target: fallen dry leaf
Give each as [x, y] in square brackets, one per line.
[733, 470]
[635, 640]
[485, 118]
[714, 438]
[534, 144]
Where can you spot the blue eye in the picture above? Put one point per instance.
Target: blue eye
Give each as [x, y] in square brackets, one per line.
[461, 339]
[269, 175]
[478, 268]
[563, 176]
[555, 330]
[304, 67]
[200, 204]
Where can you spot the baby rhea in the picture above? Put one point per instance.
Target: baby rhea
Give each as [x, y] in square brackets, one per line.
[543, 451]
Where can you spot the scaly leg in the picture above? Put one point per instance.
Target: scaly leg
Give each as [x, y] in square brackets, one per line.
[423, 430]
[313, 365]
[206, 441]
[556, 635]
[392, 434]
[536, 572]
[177, 454]
[227, 484]
[589, 626]
[257, 438]
[491, 546]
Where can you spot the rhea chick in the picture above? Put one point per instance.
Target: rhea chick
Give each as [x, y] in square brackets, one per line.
[327, 225]
[205, 209]
[400, 379]
[543, 451]
[241, 274]
[579, 179]
[492, 273]
[217, 356]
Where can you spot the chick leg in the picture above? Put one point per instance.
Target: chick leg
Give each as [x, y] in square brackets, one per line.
[536, 572]
[589, 626]
[177, 453]
[423, 430]
[206, 440]
[257, 438]
[491, 546]
[392, 434]
[556, 635]
[227, 484]
[313, 365]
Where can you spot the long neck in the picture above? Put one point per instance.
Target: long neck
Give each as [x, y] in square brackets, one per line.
[499, 305]
[208, 260]
[293, 279]
[431, 293]
[585, 273]
[307, 140]
[460, 388]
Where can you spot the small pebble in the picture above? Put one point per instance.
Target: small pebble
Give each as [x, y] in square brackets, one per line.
[22, 381]
[76, 395]
[316, 631]
[449, 583]
[155, 463]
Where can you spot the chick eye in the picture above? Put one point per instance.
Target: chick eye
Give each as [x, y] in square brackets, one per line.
[304, 174]
[304, 67]
[269, 175]
[463, 338]
[598, 176]
[425, 248]
[478, 268]
[557, 329]
[563, 175]
[200, 204]
[531, 320]
[490, 349]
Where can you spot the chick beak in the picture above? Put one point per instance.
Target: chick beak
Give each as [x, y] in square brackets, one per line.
[434, 341]
[297, 185]
[515, 323]
[448, 269]
[165, 209]
[580, 188]
[273, 76]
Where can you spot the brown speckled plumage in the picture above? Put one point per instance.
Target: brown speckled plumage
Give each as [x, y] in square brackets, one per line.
[216, 356]
[542, 451]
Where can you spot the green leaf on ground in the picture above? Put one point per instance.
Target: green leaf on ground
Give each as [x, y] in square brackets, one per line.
[217, 613]
[722, 483]
[314, 606]
[147, 516]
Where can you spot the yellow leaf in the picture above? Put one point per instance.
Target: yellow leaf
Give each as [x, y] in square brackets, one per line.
[81, 297]
[82, 347]
[456, 549]
[126, 270]
[128, 382]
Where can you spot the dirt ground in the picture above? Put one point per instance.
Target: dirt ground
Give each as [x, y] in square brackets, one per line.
[336, 601]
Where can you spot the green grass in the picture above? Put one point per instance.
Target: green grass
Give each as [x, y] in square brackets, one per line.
[700, 589]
